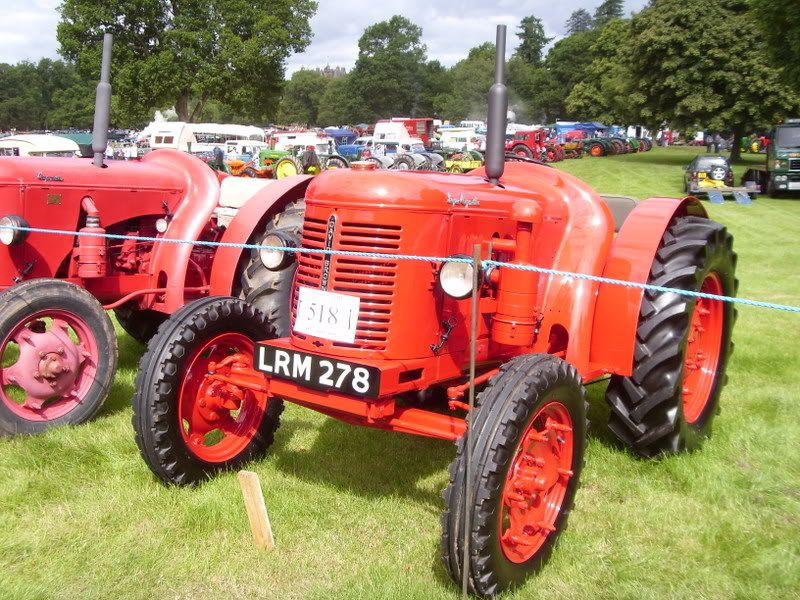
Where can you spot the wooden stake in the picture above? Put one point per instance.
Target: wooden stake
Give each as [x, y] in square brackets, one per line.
[256, 510]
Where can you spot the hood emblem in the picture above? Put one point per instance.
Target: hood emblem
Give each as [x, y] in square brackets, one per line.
[326, 260]
[42, 177]
[461, 201]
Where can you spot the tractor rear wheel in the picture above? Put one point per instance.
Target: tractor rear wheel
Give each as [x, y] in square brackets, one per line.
[682, 343]
[286, 167]
[187, 425]
[404, 162]
[141, 325]
[267, 290]
[527, 435]
[58, 356]
[335, 162]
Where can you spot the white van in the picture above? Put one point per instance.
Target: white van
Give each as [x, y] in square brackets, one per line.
[199, 137]
[38, 145]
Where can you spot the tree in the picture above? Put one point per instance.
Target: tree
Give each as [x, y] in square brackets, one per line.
[341, 103]
[580, 21]
[706, 81]
[301, 98]
[608, 10]
[389, 68]
[471, 79]
[186, 52]
[780, 25]
[532, 40]
[605, 90]
[566, 63]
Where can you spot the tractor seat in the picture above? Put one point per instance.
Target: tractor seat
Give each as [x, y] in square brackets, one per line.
[621, 207]
[234, 192]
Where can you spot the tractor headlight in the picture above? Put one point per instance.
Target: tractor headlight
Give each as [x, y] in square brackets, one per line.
[162, 225]
[781, 164]
[456, 278]
[275, 260]
[11, 237]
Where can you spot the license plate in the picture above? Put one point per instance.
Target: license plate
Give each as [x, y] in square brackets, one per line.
[327, 315]
[319, 372]
[701, 175]
[794, 185]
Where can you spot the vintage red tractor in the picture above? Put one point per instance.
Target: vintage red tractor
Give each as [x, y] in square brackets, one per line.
[535, 144]
[57, 344]
[384, 342]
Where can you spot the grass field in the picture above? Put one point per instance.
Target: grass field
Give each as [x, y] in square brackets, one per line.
[356, 511]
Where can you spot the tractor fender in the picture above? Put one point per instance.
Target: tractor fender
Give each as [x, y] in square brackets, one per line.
[248, 221]
[171, 260]
[616, 313]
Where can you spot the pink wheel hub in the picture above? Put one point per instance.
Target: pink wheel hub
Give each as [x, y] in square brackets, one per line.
[536, 483]
[50, 368]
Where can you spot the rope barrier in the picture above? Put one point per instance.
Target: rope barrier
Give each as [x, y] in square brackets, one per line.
[437, 259]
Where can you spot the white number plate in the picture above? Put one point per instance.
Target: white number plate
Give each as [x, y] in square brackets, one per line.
[794, 185]
[327, 315]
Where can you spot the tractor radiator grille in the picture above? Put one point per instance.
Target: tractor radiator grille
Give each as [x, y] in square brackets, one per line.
[371, 279]
[794, 164]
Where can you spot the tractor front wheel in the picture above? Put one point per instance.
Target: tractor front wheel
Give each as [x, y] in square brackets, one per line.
[527, 436]
[188, 424]
[682, 343]
[59, 356]
[286, 167]
[522, 150]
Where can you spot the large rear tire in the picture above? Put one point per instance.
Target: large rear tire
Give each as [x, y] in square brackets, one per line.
[141, 325]
[269, 291]
[186, 428]
[682, 344]
[528, 436]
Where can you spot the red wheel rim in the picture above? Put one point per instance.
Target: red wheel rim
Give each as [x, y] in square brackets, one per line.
[521, 153]
[596, 151]
[49, 362]
[536, 483]
[217, 420]
[703, 346]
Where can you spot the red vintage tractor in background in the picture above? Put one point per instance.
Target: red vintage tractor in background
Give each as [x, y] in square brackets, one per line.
[385, 343]
[535, 144]
[57, 344]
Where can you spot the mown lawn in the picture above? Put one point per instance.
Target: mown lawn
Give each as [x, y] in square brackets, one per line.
[356, 511]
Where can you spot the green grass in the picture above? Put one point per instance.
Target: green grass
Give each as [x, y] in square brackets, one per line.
[356, 511]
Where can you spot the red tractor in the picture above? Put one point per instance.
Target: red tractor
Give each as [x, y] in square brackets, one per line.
[381, 341]
[535, 144]
[57, 344]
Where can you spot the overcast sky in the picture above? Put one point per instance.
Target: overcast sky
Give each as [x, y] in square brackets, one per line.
[450, 28]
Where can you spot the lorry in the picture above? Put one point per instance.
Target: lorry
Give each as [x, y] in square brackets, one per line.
[781, 173]
[119, 250]
[384, 334]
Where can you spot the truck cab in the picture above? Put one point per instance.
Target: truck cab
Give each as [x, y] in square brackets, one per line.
[782, 171]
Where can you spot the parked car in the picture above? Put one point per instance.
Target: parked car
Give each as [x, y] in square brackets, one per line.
[707, 172]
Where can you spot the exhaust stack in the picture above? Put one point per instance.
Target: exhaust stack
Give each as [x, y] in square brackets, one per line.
[498, 111]
[102, 105]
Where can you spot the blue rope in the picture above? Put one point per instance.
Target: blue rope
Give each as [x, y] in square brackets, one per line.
[438, 259]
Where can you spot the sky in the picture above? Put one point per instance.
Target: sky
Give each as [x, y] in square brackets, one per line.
[449, 29]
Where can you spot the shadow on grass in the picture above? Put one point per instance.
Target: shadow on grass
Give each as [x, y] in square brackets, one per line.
[130, 352]
[364, 461]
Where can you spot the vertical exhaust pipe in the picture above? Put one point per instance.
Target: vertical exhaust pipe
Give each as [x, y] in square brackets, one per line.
[102, 104]
[498, 111]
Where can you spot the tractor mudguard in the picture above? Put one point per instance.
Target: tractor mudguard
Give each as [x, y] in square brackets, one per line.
[616, 313]
[249, 220]
[171, 260]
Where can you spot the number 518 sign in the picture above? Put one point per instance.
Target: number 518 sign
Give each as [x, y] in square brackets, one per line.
[327, 315]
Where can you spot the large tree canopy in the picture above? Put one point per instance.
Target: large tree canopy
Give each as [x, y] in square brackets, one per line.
[390, 69]
[780, 25]
[187, 52]
[532, 40]
[301, 98]
[703, 63]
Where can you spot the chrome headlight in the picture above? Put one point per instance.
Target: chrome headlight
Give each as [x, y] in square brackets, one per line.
[11, 237]
[275, 260]
[456, 278]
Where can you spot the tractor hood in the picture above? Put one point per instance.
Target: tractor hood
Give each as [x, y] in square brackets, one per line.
[153, 172]
[440, 193]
